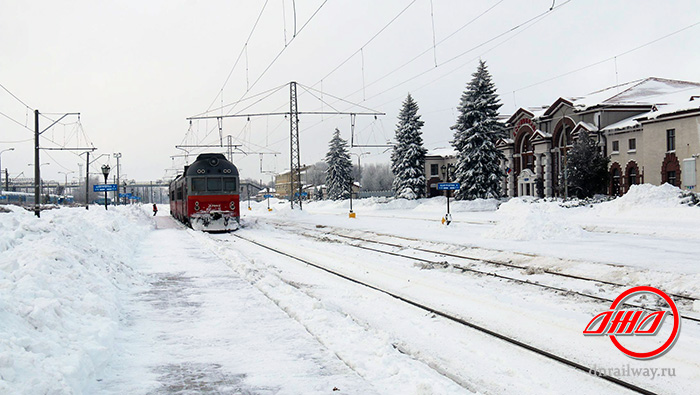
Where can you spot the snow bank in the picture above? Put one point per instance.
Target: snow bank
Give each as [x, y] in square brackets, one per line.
[645, 196]
[59, 285]
[650, 202]
[526, 219]
[435, 204]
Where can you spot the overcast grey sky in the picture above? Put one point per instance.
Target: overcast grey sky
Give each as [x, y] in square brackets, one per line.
[136, 70]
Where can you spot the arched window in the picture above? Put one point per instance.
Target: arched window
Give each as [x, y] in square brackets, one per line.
[615, 180]
[631, 175]
[562, 142]
[671, 170]
[524, 150]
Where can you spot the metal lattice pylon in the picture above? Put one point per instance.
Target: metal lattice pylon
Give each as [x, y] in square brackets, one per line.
[295, 163]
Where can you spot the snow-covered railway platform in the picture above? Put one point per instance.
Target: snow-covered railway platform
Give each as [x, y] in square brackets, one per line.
[195, 326]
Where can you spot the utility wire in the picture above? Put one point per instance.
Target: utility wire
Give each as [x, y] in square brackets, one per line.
[240, 101]
[542, 16]
[14, 96]
[420, 54]
[283, 49]
[240, 54]
[17, 141]
[514, 28]
[367, 43]
[242, 98]
[610, 58]
[16, 121]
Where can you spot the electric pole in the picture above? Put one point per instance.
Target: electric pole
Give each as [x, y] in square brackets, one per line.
[295, 163]
[117, 155]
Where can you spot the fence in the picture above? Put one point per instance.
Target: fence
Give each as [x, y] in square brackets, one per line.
[385, 193]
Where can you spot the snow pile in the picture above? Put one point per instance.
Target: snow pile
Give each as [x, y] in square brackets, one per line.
[59, 285]
[428, 205]
[526, 219]
[651, 202]
[646, 196]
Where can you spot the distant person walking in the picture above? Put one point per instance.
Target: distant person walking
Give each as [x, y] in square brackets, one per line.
[155, 209]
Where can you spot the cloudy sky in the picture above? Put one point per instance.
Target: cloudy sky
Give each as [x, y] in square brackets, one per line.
[136, 70]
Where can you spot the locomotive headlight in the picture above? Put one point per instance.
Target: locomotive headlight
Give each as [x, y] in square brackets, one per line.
[196, 206]
[232, 205]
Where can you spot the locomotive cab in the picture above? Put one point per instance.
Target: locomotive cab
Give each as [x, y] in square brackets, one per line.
[209, 194]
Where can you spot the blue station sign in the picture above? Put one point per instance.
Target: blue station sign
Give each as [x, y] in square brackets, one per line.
[267, 196]
[104, 187]
[448, 186]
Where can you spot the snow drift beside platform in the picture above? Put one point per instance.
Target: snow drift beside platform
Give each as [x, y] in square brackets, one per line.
[59, 281]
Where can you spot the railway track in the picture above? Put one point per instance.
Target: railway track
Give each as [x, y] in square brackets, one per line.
[587, 228]
[451, 317]
[689, 300]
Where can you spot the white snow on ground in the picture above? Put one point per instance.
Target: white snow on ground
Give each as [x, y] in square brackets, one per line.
[60, 278]
[106, 302]
[196, 327]
[521, 219]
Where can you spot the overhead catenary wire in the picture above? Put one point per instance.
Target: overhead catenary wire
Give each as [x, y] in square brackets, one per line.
[228, 77]
[283, 49]
[16, 121]
[609, 58]
[15, 97]
[417, 56]
[243, 97]
[494, 38]
[368, 42]
[520, 28]
[432, 22]
[429, 83]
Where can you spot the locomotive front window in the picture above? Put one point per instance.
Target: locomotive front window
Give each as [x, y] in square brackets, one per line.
[214, 184]
[229, 184]
[199, 184]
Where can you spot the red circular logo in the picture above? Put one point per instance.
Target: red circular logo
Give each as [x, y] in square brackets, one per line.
[676, 322]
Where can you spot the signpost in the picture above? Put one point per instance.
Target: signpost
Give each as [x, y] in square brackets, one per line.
[268, 196]
[104, 188]
[448, 186]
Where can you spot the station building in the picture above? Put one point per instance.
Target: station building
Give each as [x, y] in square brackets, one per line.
[649, 128]
[438, 162]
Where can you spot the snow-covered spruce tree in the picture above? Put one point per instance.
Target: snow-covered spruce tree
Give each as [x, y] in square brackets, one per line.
[587, 168]
[476, 132]
[408, 155]
[339, 173]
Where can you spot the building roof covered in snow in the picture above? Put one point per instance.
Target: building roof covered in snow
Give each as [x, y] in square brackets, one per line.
[645, 92]
[442, 152]
[664, 94]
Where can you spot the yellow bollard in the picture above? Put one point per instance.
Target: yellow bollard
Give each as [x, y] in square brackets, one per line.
[249, 208]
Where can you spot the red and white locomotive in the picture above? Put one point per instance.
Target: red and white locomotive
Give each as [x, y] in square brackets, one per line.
[206, 195]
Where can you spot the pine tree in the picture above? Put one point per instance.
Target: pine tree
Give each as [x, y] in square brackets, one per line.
[586, 167]
[476, 132]
[339, 173]
[408, 155]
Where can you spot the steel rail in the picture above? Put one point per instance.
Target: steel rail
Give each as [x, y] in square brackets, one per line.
[459, 320]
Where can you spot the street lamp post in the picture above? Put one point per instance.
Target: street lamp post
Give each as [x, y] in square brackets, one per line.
[65, 188]
[117, 155]
[446, 172]
[8, 149]
[105, 172]
[359, 164]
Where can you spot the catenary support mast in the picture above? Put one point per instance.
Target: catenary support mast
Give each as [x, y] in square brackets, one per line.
[295, 163]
